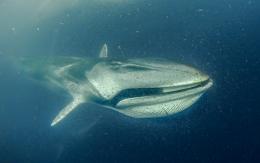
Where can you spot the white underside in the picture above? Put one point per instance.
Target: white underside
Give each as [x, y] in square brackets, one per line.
[160, 109]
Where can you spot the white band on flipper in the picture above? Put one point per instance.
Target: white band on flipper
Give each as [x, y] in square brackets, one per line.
[69, 108]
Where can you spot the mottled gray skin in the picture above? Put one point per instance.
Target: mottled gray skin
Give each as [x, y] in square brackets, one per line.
[140, 88]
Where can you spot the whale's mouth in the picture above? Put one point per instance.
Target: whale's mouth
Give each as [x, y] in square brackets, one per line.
[139, 95]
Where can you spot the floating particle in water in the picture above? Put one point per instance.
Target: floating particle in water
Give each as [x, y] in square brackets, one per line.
[200, 10]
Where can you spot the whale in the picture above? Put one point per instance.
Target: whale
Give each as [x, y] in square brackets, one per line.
[135, 87]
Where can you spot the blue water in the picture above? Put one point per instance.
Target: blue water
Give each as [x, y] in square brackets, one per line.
[220, 38]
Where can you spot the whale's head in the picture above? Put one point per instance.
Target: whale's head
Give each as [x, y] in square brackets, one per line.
[144, 88]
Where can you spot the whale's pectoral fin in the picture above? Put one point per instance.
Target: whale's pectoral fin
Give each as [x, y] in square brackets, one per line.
[65, 111]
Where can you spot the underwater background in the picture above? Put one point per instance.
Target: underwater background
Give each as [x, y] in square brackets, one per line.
[220, 38]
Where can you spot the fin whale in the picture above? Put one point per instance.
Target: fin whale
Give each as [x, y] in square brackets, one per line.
[139, 88]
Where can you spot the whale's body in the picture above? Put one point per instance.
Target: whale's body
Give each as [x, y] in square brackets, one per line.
[140, 88]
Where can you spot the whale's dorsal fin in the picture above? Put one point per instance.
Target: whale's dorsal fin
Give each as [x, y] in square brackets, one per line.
[104, 51]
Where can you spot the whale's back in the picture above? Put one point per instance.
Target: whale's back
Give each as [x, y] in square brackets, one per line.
[53, 70]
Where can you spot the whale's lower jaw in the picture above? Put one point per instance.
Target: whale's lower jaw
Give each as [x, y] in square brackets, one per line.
[159, 109]
[161, 105]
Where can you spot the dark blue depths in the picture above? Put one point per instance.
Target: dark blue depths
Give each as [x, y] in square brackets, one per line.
[221, 38]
